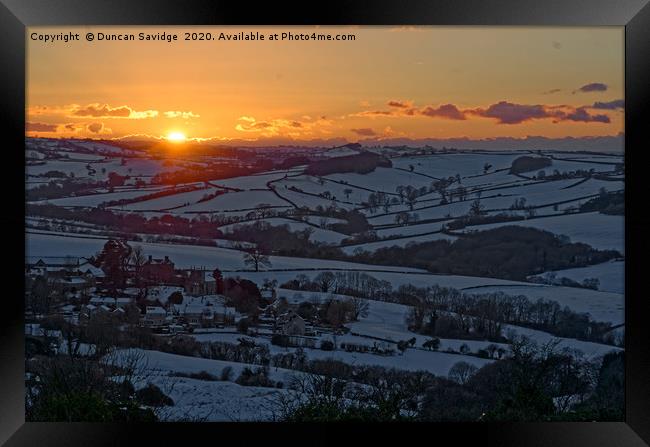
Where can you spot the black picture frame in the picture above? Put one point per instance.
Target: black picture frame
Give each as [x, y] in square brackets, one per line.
[15, 15]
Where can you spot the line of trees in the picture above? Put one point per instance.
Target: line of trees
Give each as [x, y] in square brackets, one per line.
[536, 383]
[451, 313]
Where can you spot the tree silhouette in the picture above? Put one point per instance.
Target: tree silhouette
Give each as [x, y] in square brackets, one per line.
[256, 257]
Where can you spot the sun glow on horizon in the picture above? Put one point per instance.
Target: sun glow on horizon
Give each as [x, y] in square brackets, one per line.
[176, 137]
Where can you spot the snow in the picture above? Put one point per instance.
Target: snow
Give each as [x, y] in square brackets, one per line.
[316, 220]
[401, 242]
[601, 231]
[171, 201]
[445, 165]
[184, 256]
[312, 185]
[383, 179]
[244, 200]
[162, 293]
[340, 152]
[611, 275]
[210, 400]
[589, 349]
[410, 230]
[92, 200]
[438, 363]
[602, 306]
[318, 234]
[498, 189]
[257, 181]
[206, 401]
[167, 362]
[567, 165]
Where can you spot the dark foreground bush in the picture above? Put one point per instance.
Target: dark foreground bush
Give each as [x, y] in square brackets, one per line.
[88, 407]
[153, 396]
[259, 377]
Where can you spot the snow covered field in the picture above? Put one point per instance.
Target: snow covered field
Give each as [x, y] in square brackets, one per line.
[610, 274]
[602, 306]
[290, 195]
[598, 230]
[318, 234]
[589, 349]
[184, 256]
[200, 400]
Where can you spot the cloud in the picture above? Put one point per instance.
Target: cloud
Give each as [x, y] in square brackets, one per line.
[611, 105]
[448, 111]
[40, 127]
[592, 87]
[105, 111]
[504, 112]
[364, 132]
[405, 108]
[73, 127]
[400, 104]
[580, 114]
[375, 113]
[95, 127]
[253, 126]
[551, 91]
[284, 127]
[508, 113]
[177, 114]
[44, 110]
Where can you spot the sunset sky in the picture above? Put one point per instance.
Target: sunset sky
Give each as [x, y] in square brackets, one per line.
[425, 82]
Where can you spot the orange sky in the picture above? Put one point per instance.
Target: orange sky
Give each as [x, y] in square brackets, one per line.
[425, 82]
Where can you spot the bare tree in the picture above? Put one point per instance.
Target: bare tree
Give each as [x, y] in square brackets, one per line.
[461, 372]
[359, 308]
[476, 208]
[256, 257]
[325, 281]
[137, 260]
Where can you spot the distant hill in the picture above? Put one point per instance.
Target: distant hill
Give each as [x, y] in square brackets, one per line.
[361, 163]
[344, 150]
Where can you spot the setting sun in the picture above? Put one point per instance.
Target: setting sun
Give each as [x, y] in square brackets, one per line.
[176, 137]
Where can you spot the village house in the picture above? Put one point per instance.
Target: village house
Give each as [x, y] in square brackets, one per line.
[204, 311]
[52, 266]
[158, 271]
[200, 282]
[57, 267]
[109, 301]
[290, 323]
[67, 311]
[87, 268]
[195, 315]
[35, 330]
[69, 275]
[73, 285]
[154, 316]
